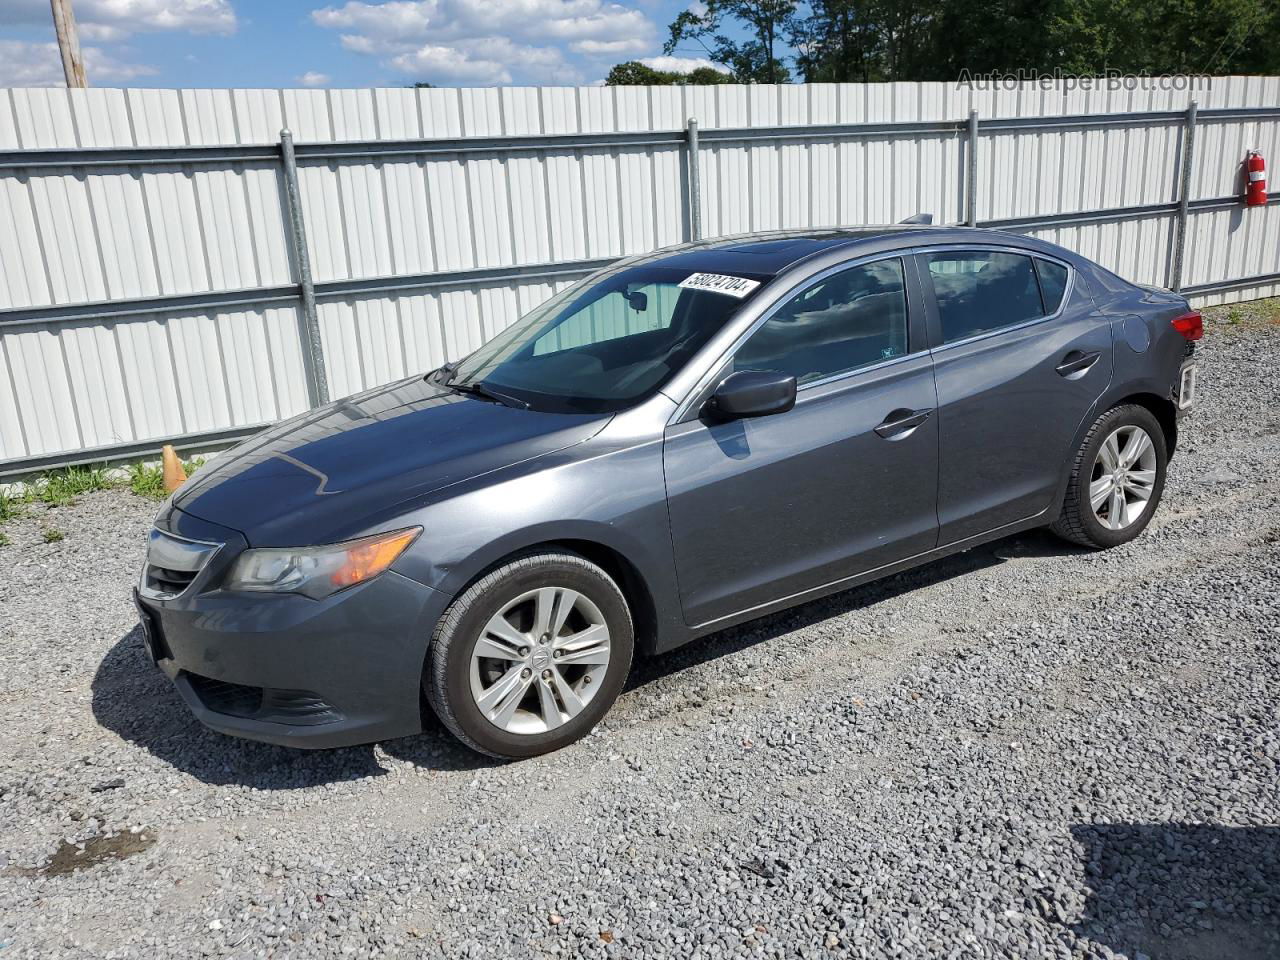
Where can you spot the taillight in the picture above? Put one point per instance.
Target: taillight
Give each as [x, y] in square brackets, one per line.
[1190, 325]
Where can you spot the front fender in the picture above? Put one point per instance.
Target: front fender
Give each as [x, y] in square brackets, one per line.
[615, 499]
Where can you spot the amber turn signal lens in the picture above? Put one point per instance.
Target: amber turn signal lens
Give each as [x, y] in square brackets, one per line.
[369, 557]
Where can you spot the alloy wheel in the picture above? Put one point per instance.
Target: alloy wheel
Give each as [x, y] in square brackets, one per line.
[540, 660]
[1123, 478]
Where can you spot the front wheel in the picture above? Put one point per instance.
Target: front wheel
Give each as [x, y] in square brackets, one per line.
[1116, 479]
[531, 656]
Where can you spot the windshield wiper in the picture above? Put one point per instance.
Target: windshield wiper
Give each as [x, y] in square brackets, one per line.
[479, 389]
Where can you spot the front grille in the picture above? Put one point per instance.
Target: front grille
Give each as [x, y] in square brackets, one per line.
[166, 582]
[301, 707]
[172, 564]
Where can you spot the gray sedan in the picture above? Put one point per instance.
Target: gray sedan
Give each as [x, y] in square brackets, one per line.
[676, 444]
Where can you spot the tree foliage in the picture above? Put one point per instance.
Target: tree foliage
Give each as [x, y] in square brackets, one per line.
[755, 59]
[869, 40]
[633, 73]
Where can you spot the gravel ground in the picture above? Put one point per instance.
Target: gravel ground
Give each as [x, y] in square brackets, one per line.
[1026, 750]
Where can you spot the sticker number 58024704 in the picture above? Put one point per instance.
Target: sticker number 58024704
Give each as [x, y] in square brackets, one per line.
[720, 283]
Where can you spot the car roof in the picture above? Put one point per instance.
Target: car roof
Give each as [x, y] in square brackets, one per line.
[768, 254]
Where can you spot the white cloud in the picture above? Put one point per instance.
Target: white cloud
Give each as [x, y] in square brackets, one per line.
[610, 48]
[313, 78]
[25, 64]
[682, 64]
[101, 32]
[489, 41]
[450, 63]
[103, 20]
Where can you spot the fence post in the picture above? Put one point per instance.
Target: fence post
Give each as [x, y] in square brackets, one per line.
[312, 346]
[1184, 198]
[695, 192]
[971, 173]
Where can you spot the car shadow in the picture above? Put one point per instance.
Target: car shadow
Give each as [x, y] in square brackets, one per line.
[136, 701]
[1033, 543]
[1182, 891]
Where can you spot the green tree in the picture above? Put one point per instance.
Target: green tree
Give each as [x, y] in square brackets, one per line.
[1169, 36]
[837, 43]
[869, 40]
[633, 73]
[754, 60]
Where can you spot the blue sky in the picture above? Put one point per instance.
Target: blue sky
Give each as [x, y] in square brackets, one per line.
[349, 43]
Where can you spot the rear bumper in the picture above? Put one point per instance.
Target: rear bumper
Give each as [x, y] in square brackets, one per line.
[299, 672]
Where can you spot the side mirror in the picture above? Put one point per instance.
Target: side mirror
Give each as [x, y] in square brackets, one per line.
[752, 393]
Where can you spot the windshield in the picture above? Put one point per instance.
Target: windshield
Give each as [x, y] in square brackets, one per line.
[605, 343]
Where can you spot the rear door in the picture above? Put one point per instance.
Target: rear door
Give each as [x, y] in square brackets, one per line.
[767, 508]
[1020, 356]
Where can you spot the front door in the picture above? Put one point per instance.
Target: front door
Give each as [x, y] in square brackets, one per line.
[767, 508]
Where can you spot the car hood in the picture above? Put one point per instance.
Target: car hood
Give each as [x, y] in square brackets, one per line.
[333, 472]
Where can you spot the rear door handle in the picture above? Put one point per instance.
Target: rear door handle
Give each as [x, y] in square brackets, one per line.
[902, 423]
[1076, 364]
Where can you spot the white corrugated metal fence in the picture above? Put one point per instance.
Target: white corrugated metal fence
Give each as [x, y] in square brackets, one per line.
[149, 289]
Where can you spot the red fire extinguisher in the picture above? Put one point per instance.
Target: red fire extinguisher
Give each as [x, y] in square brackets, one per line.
[1255, 194]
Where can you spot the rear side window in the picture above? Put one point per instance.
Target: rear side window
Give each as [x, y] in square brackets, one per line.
[981, 290]
[849, 320]
[1053, 284]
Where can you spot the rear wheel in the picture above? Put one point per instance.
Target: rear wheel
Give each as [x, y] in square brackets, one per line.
[1116, 479]
[531, 656]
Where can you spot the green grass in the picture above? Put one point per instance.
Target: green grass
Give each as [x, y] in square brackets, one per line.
[61, 487]
[147, 480]
[53, 536]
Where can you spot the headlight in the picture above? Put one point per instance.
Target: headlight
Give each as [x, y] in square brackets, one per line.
[319, 571]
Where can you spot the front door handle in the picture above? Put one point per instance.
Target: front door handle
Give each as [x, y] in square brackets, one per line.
[902, 423]
[1076, 364]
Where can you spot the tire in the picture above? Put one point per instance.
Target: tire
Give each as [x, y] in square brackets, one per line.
[1079, 521]
[514, 595]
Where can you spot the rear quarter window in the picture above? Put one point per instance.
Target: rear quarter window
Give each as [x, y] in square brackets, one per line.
[1053, 284]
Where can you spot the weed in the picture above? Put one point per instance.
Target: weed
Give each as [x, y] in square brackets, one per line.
[61, 487]
[4, 540]
[53, 536]
[147, 480]
[8, 507]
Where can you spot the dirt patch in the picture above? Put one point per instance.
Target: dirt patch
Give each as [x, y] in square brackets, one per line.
[70, 857]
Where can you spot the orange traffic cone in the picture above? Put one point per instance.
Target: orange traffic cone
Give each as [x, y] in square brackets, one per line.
[174, 475]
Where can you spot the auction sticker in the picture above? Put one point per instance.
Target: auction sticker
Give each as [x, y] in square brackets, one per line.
[720, 283]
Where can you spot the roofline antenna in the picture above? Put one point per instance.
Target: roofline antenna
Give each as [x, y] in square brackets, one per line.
[919, 219]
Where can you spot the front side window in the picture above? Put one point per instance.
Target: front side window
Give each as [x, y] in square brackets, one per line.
[605, 344]
[980, 290]
[849, 320]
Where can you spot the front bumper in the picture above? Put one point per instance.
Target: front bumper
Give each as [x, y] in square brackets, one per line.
[290, 670]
